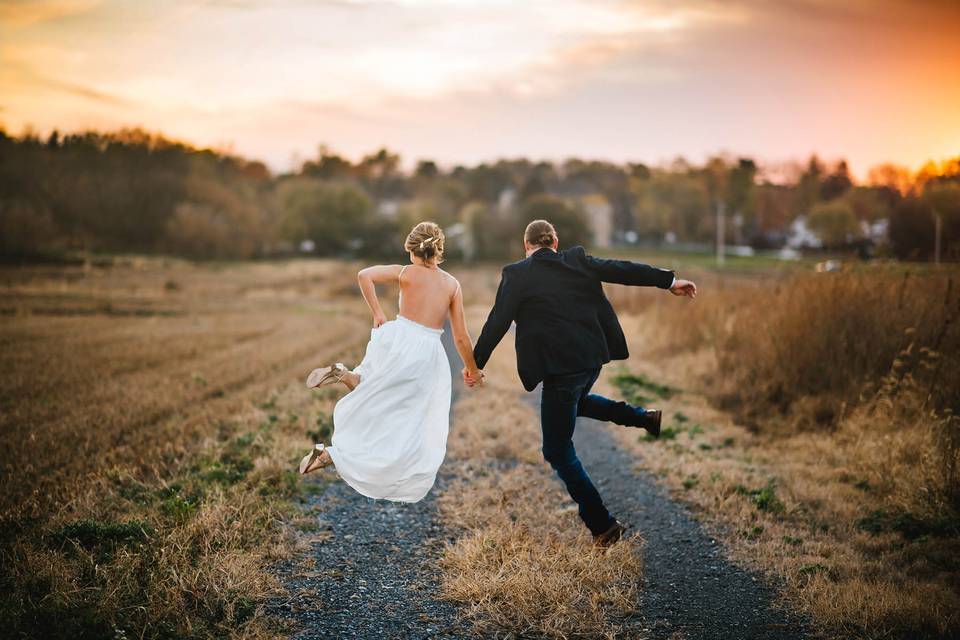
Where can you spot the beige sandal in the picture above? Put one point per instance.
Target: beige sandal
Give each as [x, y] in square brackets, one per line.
[306, 465]
[326, 375]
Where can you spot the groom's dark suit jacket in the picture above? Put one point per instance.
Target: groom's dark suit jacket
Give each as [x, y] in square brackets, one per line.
[564, 322]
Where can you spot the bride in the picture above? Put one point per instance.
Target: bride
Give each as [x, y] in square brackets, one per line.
[390, 430]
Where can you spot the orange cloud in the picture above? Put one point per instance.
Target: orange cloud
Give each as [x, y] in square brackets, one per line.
[23, 13]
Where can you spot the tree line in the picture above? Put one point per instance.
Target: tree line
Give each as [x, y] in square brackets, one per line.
[136, 191]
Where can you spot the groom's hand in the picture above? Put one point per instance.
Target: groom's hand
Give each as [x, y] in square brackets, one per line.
[469, 380]
[684, 288]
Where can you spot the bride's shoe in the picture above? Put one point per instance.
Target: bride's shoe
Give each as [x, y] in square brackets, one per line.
[307, 464]
[326, 375]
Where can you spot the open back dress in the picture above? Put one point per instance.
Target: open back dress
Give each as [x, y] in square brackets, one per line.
[390, 432]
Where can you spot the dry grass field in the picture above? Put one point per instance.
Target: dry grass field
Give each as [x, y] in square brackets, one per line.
[834, 466]
[152, 415]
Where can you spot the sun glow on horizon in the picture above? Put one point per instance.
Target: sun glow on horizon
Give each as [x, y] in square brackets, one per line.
[470, 81]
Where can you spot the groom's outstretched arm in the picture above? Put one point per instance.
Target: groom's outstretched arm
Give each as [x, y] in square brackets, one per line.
[501, 315]
[629, 273]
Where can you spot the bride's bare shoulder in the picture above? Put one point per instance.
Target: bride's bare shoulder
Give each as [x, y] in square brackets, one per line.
[451, 281]
[381, 272]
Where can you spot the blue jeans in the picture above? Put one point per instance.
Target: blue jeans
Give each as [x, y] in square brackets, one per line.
[562, 399]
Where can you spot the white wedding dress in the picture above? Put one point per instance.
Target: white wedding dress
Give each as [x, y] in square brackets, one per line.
[390, 432]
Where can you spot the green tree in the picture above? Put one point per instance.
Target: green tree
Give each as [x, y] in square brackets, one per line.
[868, 203]
[911, 229]
[25, 231]
[837, 183]
[943, 198]
[741, 197]
[380, 174]
[912, 225]
[677, 202]
[571, 224]
[327, 166]
[426, 169]
[337, 218]
[808, 187]
[487, 235]
[834, 223]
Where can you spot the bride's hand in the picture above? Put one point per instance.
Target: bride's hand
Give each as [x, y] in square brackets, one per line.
[378, 319]
[472, 378]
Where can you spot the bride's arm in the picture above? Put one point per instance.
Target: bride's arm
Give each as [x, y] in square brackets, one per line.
[368, 278]
[461, 336]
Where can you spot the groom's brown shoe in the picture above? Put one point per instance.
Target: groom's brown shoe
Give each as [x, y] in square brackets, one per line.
[650, 421]
[611, 535]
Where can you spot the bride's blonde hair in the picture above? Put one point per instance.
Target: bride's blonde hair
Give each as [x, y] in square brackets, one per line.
[425, 240]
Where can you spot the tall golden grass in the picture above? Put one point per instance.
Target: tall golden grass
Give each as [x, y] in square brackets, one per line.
[881, 347]
[830, 443]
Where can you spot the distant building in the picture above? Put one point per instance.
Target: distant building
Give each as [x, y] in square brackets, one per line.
[800, 235]
[876, 231]
[388, 208]
[507, 199]
[599, 214]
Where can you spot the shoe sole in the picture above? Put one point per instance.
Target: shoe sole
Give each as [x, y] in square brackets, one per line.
[309, 459]
[658, 424]
[615, 537]
[321, 376]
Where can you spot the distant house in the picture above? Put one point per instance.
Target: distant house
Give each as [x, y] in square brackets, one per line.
[505, 202]
[800, 235]
[599, 214]
[388, 208]
[876, 231]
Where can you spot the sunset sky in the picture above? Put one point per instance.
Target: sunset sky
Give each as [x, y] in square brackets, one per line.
[458, 81]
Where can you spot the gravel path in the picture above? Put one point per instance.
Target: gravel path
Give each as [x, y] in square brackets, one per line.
[375, 573]
[690, 590]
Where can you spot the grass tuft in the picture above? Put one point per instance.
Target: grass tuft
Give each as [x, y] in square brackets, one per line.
[90, 534]
[763, 498]
[631, 386]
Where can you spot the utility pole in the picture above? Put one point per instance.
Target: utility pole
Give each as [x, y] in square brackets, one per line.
[721, 232]
[938, 223]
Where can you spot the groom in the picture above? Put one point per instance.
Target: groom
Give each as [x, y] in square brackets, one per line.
[567, 330]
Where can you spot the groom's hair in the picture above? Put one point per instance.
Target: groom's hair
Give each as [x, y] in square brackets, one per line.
[540, 233]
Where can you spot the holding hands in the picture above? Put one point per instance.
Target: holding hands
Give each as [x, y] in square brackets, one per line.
[684, 288]
[472, 378]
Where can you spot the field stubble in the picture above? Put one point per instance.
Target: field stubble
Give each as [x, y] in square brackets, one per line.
[153, 413]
